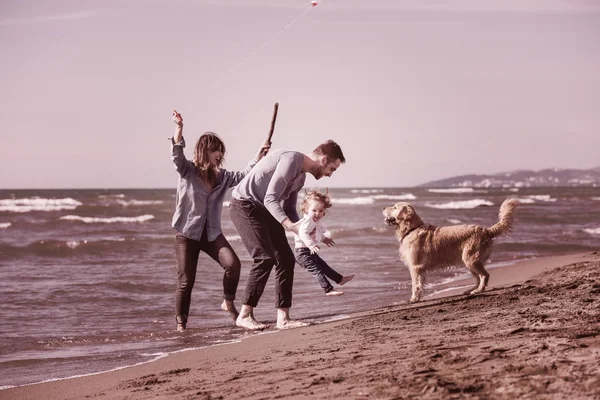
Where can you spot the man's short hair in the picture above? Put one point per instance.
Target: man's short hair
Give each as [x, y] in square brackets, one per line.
[331, 150]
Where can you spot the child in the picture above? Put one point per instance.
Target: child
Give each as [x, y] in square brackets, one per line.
[310, 233]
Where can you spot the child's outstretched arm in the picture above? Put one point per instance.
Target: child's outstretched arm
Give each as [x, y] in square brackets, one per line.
[326, 239]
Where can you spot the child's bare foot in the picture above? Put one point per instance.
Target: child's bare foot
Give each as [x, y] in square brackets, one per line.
[228, 306]
[250, 323]
[334, 293]
[346, 279]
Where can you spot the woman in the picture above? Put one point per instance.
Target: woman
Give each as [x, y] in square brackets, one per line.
[197, 220]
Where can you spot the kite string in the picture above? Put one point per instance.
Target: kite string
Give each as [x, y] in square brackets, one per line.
[257, 50]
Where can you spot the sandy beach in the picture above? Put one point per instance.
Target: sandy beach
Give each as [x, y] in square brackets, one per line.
[535, 334]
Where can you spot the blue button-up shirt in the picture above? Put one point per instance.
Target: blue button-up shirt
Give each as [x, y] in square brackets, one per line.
[197, 208]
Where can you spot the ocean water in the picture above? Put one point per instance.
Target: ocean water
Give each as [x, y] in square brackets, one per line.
[87, 277]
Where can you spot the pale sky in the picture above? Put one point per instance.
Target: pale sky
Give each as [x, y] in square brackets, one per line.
[413, 91]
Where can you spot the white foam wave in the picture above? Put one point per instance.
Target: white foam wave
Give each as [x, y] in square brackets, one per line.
[4, 225]
[407, 196]
[525, 201]
[362, 200]
[593, 231]
[127, 203]
[452, 190]
[465, 204]
[354, 200]
[76, 243]
[454, 221]
[106, 196]
[366, 191]
[111, 220]
[38, 204]
[595, 198]
[542, 197]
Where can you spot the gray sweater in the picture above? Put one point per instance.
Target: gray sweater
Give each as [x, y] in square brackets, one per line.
[196, 207]
[274, 184]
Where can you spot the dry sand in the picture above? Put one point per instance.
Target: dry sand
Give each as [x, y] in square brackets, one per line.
[527, 338]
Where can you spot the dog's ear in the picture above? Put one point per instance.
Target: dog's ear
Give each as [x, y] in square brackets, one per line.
[408, 219]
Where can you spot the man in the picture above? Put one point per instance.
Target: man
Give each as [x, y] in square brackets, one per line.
[262, 208]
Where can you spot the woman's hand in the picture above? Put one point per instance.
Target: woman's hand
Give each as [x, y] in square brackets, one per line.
[178, 119]
[264, 149]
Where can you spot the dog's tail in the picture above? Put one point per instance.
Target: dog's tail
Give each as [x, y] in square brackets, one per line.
[505, 217]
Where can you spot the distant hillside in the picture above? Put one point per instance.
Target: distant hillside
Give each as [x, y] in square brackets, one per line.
[524, 178]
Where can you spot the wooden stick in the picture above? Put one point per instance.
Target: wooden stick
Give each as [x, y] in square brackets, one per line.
[273, 123]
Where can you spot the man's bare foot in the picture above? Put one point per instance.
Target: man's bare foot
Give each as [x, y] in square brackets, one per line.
[346, 279]
[334, 293]
[227, 305]
[250, 323]
[289, 324]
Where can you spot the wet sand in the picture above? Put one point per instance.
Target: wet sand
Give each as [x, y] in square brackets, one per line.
[535, 334]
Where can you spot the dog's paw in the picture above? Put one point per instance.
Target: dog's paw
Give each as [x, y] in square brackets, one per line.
[413, 300]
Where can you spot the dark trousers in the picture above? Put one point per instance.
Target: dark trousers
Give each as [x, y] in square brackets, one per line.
[318, 268]
[265, 240]
[187, 252]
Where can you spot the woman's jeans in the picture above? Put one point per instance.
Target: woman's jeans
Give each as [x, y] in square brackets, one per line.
[264, 238]
[187, 252]
[318, 267]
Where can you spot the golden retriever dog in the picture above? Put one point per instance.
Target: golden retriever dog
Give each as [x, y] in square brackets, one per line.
[424, 247]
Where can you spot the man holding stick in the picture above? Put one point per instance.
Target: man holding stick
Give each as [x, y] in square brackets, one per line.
[263, 207]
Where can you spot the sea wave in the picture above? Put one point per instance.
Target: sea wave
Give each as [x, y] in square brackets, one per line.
[38, 204]
[592, 231]
[127, 203]
[364, 191]
[4, 225]
[111, 220]
[525, 200]
[407, 196]
[354, 200]
[464, 204]
[542, 197]
[452, 190]
[88, 247]
[362, 200]
[595, 198]
[107, 196]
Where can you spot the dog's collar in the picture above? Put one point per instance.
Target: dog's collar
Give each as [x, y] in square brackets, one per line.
[410, 230]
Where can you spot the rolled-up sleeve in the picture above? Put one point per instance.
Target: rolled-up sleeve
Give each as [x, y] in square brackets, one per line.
[178, 157]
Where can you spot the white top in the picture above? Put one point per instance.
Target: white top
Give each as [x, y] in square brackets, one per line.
[310, 233]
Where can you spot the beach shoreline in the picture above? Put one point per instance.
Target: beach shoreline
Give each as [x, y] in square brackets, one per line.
[537, 325]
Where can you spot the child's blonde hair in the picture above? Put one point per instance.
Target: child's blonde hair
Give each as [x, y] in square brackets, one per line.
[316, 196]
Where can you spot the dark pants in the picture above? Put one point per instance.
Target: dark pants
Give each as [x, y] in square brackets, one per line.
[265, 240]
[318, 267]
[187, 252]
